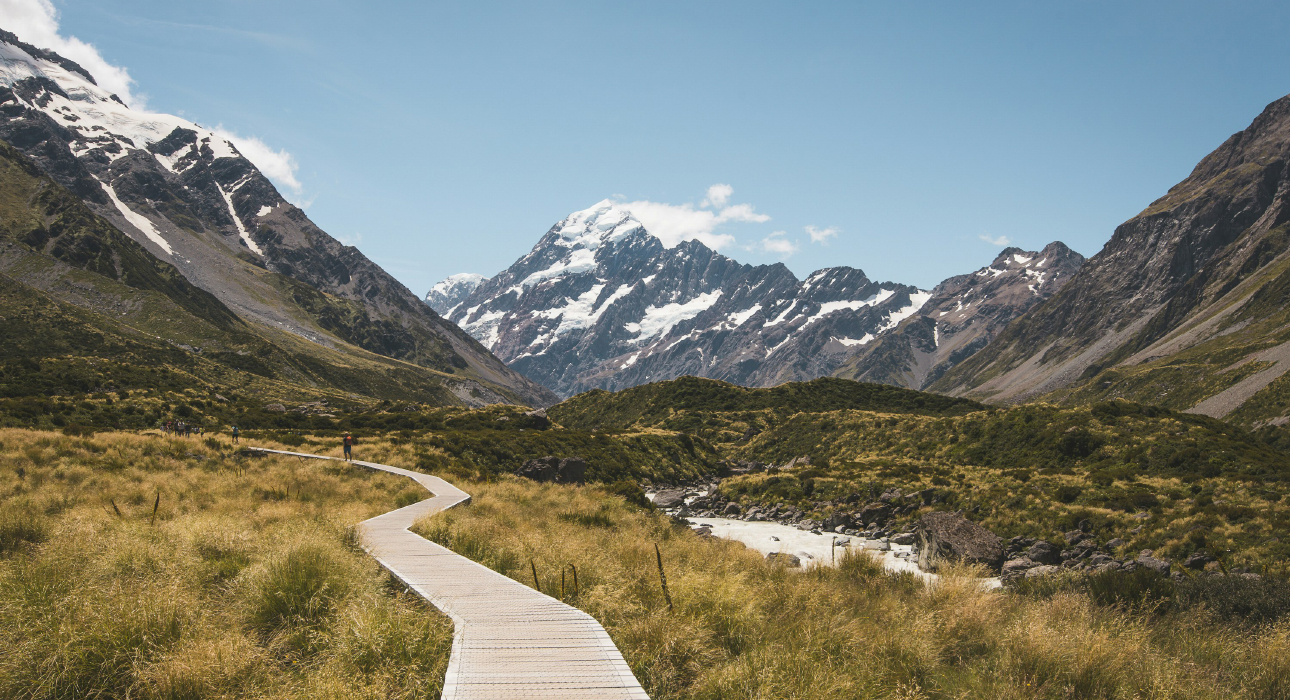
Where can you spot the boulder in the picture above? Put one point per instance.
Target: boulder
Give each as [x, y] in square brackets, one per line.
[571, 470]
[950, 537]
[875, 513]
[1147, 561]
[903, 538]
[537, 419]
[1043, 552]
[1015, 569]
[669, 498]
[731, 510]
[1197, 560]
[1115, 544]
[783, 558]
[807, 524]
[890, 495]
[542, 469]
[1042, 571]
[876, 545]
[275, 407]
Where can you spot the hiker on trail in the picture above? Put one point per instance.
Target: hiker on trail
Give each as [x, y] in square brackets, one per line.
[348, 442]
[235, 434]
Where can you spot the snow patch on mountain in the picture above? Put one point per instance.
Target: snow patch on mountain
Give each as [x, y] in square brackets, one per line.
[447, 295]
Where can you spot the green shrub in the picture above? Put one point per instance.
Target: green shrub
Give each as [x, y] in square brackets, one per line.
[1253, 601]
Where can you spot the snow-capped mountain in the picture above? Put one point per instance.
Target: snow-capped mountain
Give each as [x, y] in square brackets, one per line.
[601, 303]
[187, 195]
[964, 314]
[448, 294]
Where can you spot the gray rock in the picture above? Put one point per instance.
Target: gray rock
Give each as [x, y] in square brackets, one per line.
[1197, 560]
[840, 529]
[1039, 571]
[669, 498]
[876, 545]
[1042, 552]
[1015, 569]
[783, 558]
[903, 538]
[731, 510]
[1115, 544]
[808, 525]
[1146, 560]
[950, 537]
[275, 407]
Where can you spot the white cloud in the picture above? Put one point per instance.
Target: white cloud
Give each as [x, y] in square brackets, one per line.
[1001, 240]
[718, 195]
[821, 235]
[279, 166]
[36, 22]
[777, 244]
[675, 223]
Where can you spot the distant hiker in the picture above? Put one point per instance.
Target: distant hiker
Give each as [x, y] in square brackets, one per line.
[235, 434]
[348, 442]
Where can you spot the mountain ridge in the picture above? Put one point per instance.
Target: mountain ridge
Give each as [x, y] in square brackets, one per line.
[599, 302]
[1184, 304]
[186, 195]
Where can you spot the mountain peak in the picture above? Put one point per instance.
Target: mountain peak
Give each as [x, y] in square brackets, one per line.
[603, 222]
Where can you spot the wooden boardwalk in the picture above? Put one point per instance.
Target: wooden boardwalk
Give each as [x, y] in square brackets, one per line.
[509, 640]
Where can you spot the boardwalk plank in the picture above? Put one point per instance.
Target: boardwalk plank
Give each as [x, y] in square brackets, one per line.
[509, 640]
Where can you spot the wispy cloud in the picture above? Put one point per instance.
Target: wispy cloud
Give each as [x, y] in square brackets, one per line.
[270, 39]
[1001, 240]
[675, 223]
[36, 22]
[777, 243]
[718, 195]
[821, 235]
[277, 165]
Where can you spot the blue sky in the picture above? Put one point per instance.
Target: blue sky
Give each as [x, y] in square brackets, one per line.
[444, 138]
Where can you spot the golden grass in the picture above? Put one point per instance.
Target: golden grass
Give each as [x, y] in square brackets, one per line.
[247, 585]
[742, 628]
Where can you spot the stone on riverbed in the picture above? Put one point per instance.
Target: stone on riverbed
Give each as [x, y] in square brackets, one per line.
[669, 498]
[950, 537]
[784, 558]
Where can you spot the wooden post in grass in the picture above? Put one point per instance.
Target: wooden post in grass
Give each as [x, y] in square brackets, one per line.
[662, 577]
[561, 584]
[536, 585]
[155, 506]
[832, 548]
[575, 580]
[114, 508]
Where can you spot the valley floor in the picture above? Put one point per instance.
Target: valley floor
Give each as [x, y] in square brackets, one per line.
[247, 583]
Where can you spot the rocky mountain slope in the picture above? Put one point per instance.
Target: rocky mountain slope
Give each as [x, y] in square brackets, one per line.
[601, 303]
[1185, 306]
[963, 315]
[189, 198]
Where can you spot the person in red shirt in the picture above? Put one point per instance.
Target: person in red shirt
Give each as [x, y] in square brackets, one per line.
[348, 442]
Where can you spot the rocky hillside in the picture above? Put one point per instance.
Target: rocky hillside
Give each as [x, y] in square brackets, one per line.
[189, 198]
[1184, 306]
[963, 315]
[601, 303]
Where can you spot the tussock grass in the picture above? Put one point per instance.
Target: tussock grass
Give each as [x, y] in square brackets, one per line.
[744, 628]
[247, 585]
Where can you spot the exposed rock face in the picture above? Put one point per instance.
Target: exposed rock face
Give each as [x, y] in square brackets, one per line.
[191, 199]
[950, 537]
[570, 470]
[1182, 298]
[601, 303]
[670, 498]
[963, 315]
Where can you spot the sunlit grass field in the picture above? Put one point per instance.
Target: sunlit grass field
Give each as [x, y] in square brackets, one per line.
[247, 582]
